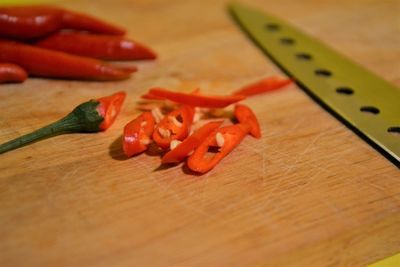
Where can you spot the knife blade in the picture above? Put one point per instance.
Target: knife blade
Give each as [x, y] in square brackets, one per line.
[364, 102]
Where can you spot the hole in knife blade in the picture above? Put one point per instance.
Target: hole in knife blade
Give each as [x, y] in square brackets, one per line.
[394, 130]
[272, 27]
[323, 72]
[344, 91]
[287, 41]
[303, 56]
[370, 110]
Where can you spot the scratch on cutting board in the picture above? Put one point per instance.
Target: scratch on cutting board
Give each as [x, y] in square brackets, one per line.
[294, 164]
[307, 149]
[69, 172]
[262, 150]
[291, 129]
[269, 207]
[203, 190]
[318, 170]
[298, 189]
[166, 189]
[369, 183]
[347, 220]
[51, 193]
[188, 206]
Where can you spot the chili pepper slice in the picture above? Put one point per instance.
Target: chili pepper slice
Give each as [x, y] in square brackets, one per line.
[245, 115]
[225, 139]
[107, 47]
[149, 96]
[85, 118]
[29, 22]
[12, 73]
[174, 126]
[137, 134]
[189, 144]
[109, 108]
[266, 85]
[47, 63]
[195, 100]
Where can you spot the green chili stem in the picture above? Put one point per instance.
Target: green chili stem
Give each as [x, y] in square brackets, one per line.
[56, 128]
[84, 118]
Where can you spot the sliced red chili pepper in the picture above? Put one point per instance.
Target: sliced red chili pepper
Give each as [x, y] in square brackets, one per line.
[12, 73]
[47, 63]
[246, 116]
[137, 134]
[266, 85]
[109, 108]
[108, 47]
[28, 22]
[174, 126]
[189, 144]
[225, 139]
[195, 100]
[87, 117]
[149, 96]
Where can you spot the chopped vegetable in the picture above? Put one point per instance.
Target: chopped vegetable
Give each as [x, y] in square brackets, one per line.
[245, 115]
[137, 134]
[210, 143]
[157, 114]
[195, 100]
[229, 137]
[266, 85]
[183, 149]
[12, 73]
[174, 126]
[47, 63]
[110, 107]
[87, 117]
[108, 47]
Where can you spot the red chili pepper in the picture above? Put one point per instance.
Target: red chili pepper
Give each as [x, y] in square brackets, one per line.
[266, 85]
[195, 100]
[85, 118]
[108, 47]
[189, 144]
[82, 22]
[109, 108]
[149, 96]
[174, 126]
[245, 115]
[47, 63]
[225, 139]
[28, 22]
[137, 134]
[12, 73]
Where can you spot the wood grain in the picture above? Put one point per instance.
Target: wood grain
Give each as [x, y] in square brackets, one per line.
[309, 193]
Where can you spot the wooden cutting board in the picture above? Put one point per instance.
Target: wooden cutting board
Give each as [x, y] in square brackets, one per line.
[309, 193]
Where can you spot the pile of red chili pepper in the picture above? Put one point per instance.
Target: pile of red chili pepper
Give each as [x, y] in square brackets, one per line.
[182, 133]
[48, 41]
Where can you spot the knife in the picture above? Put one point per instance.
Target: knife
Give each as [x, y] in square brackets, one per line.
[364, 102]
